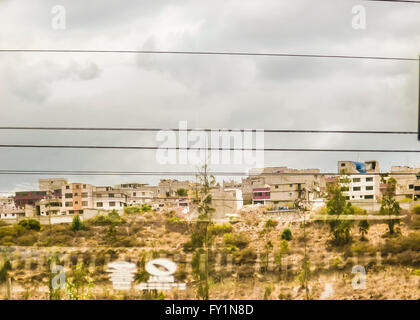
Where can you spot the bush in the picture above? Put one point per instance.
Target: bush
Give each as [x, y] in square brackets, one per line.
[132, 210]
[246, 256]
[270, 224]
[77, 224]
[146, 208]
[219, 229]
[30, 224]
[239, 240]
[417, 209]
[103, 220]
[286, 234]
[410, 242]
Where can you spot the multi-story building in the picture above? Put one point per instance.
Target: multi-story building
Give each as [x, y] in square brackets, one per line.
[261, 195]
[76, 197]
[47, 207]
[285, 185]
[360, 180]
[226, 201]
[408, 182]
[138, 193]
[169, 187]
[51, 184]
[109, 198]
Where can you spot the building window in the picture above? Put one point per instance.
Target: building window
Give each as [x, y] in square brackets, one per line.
[76, 202]
[68, 195]
[84, 186]
[347, 198]
[343, 164]
[67, 187]
[84, 195]
[76, 194]
[369, 179]
[71, 212]
[134, 194]
[85, 203]
[369, 187]
[411, 186]
[369, 196]
[356, 180]
[111, 195]
[112, 204]
[69, 204]
[99, 204]
[356, 188]
[276, 186]
[77, 186]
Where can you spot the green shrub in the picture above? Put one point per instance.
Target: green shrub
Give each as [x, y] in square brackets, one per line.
[417, 209]
[146, 208]
[27, 239]
[76, 224]
[30, 224]
[239, 240]
[219, 229]
[286, 234]
[270, 223]
[132, 210]
[174, 219]
[246, 256]
[410, 242]
[112, 217]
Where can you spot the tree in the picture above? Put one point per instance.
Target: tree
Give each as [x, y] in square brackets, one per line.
[30, 224]
[182, 192]
[111, 234]
[79, 287]
[201, 237]
[363, 228]
[337, 206]
[77, 224]
[286, 234]
[389, 205]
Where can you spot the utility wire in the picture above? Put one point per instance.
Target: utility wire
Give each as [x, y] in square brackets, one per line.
[198, 148]
[206, 130]
[220, 53]
[404, 1]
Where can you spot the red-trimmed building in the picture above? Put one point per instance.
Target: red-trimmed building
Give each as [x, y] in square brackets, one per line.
[261, 195]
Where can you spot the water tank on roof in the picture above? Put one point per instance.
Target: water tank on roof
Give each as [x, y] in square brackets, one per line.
[360, 166]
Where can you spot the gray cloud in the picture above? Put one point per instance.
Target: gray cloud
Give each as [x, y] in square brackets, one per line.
[208, 91]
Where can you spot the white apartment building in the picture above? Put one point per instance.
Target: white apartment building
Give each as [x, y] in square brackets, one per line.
[362, 187]
[364, 182]
[108, 198]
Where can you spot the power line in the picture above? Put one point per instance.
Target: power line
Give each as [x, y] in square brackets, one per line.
[220, 53]
[206, 130]
[404, 1]
[199, 148]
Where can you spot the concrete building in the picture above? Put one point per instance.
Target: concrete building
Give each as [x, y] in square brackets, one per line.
[76, 197]
[138, 193]
[168, 187]
[46, 207]
[226, 201]
[285, 185]
[51, 184]
[408, 182]
[109, 198]
[360, 186]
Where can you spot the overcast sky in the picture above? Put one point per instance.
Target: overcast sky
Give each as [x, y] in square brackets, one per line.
[118, 90]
